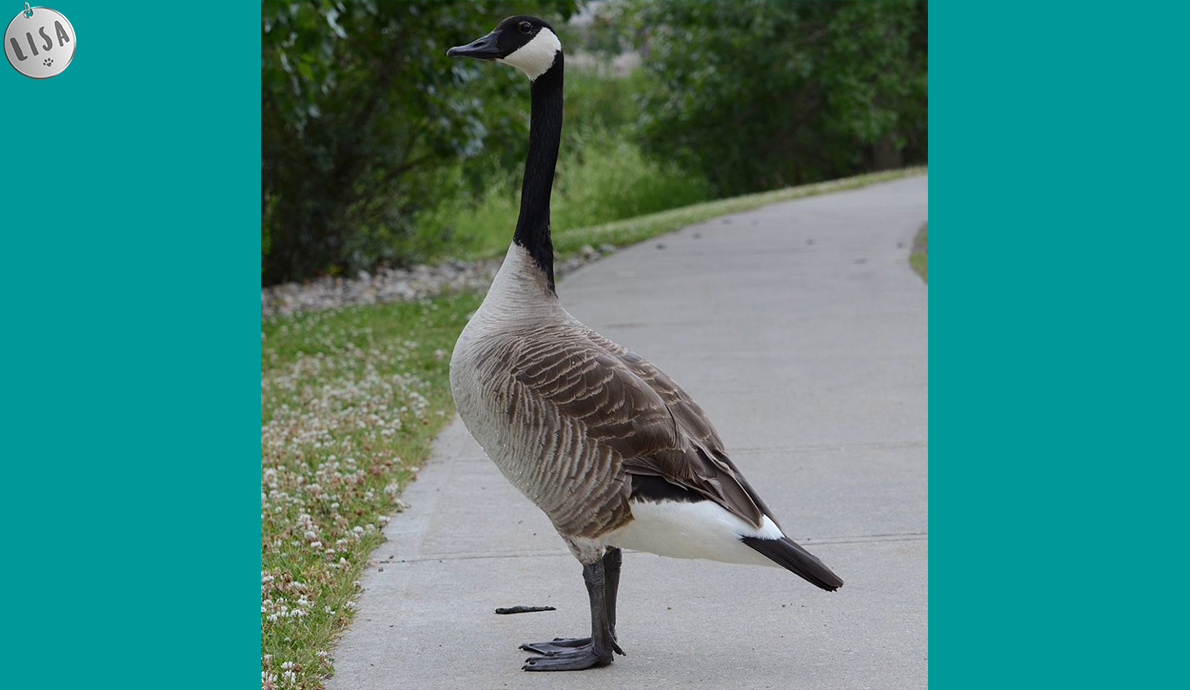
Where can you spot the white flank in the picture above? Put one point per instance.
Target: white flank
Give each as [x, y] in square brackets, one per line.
[681, 529]
[536, 56]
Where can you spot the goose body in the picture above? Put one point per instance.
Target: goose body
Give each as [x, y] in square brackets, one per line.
[568, 416]
[614, 452]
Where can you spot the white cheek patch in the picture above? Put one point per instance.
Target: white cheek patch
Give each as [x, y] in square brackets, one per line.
[536, 56]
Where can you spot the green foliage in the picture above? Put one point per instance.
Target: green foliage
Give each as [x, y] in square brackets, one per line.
[597, 100]
[759, 95]
[360, 108]
[377, 148]
[601, 177]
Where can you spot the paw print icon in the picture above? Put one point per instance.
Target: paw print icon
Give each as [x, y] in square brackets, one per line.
[48, 62]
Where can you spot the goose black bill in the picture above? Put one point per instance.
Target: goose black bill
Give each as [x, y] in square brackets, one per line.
[484, 48]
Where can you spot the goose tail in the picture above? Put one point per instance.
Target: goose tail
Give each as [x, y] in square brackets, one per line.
[789, 555]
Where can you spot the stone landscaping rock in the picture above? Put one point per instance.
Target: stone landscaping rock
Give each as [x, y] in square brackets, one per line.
[400, 284]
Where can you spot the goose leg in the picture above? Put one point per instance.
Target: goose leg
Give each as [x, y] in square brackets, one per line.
[596, 652]
[611, 587]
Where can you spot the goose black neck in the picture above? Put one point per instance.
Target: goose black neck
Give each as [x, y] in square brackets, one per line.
[545, 134]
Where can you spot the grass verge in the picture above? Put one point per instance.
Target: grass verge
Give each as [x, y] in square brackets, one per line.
[641, 228]
[919, 258]
[350, 401]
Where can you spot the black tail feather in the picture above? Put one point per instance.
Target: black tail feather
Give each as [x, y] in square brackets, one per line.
[789, 555]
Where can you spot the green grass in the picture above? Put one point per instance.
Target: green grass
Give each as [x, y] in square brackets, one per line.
[350, 401]
[919, 258]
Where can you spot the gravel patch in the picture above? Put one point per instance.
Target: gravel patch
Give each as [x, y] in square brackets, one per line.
[400, 284]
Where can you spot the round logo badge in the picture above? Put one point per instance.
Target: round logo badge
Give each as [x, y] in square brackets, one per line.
[39, 42]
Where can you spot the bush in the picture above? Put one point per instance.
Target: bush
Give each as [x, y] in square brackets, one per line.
[759, 95]
[361, 110]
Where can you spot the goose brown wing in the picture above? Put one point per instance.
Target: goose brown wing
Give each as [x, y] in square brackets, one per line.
[704, 466]
[626, 405]
[590, 414]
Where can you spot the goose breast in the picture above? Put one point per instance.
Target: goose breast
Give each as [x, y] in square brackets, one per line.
[547, 408]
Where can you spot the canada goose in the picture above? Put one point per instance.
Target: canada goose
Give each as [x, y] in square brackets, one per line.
[609, 447]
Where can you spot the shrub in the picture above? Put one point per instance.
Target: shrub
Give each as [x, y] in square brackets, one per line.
[759, 95]
[360, 111]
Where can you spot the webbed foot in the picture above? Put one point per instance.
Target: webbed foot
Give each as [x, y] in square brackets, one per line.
[561, 645]
[567, 659]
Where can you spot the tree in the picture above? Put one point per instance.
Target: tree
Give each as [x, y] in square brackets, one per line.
[765, 94]
[360, 111]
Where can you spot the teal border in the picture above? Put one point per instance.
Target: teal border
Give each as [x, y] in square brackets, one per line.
[129, 250]
[1059, 352]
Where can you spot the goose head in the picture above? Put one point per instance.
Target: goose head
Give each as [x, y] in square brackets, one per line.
[525, 42]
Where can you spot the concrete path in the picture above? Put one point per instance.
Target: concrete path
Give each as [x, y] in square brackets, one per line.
[801, 330]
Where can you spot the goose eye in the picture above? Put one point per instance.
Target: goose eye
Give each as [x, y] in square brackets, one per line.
[526, 28]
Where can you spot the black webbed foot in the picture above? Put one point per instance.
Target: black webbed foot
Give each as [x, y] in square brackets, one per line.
[562, 645]
[568, 659]
[559, 644]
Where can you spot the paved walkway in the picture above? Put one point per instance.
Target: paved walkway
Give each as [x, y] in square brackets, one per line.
[801, 330]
